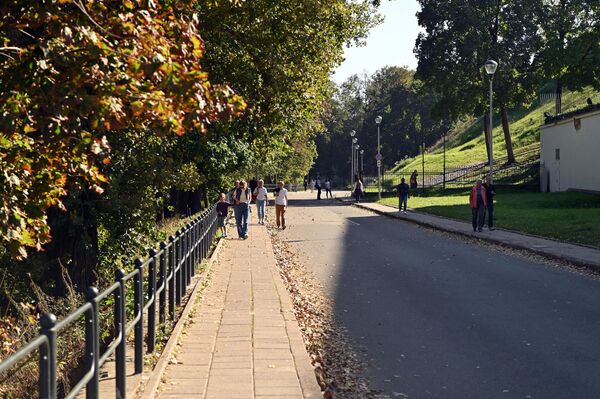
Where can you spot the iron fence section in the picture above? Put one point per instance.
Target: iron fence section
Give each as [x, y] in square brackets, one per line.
[165, 289]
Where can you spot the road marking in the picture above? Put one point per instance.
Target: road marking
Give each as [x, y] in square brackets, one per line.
[350, 221]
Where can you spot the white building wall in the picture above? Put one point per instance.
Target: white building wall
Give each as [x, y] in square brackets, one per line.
[578, 166]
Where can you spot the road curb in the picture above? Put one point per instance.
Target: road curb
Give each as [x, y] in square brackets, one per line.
[549, 255]
[149, 384]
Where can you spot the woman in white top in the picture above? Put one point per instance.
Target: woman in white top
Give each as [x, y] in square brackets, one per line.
[281, 202]
[261, 200]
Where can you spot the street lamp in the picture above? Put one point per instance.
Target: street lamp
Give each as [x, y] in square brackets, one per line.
[352, 133]
[378, 122]
[362, 165]
[490, 68]
[356, 169]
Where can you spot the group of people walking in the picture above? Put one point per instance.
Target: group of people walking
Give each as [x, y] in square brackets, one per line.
[242, 196]
[315, 184]
[482, 200]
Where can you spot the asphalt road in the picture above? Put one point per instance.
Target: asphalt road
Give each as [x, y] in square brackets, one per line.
[439, 317]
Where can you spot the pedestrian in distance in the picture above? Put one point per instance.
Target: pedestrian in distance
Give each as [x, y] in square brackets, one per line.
[253, 184]
[403, 191]
[318, 187]
[281, 203]
[242, 198]
[312, 185]
[478, 202]
[490, 191]
[231, 193]
[222, 211]
[413, 179]
[358, 188]
[262, 197]
[328, 188]
[305, 183]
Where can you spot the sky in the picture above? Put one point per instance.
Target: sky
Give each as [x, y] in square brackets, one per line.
[390, 43]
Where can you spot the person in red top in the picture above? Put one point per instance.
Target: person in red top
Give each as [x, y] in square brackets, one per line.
[478, 201]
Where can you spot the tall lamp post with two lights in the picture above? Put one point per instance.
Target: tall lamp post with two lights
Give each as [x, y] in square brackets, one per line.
[362, 165]
[352, 141]
[378, 157]
[490, 68]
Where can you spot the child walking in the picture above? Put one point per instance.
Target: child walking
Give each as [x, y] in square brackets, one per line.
[222, 210]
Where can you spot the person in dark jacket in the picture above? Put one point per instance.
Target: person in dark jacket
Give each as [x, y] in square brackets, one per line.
[478, 202]
[222, 211]
[403, 191]
[490, 191]
[413, 179]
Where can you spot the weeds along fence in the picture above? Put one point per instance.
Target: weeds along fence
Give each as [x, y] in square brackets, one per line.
[526, 173]
[159, 284]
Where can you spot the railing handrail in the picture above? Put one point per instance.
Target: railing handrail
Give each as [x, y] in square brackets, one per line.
[180, 255]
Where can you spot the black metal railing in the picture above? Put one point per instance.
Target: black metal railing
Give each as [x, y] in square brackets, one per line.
[169, 272]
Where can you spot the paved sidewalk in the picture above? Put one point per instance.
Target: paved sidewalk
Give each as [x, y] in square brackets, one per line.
[243, 341]
[579, 255]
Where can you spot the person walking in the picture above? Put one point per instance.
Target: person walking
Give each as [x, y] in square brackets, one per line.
[253, 184]
[328, 188]
[478, 202]
[312, 185]
[281, 203]
[222, 211]
[242, 197]
[318, 187]
[413, 179]
[357, 189]
[403, 191]
[490, 191]
[305, 182]
[262, 196]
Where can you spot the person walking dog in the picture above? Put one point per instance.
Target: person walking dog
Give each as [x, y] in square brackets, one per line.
[478, 202]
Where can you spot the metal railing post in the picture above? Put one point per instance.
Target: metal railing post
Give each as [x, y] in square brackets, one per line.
[138, 310]
[178, 268]
[120, 327]
[162, 300]
[152, 297]
[172, 284]
[48, 372]
[92, 344]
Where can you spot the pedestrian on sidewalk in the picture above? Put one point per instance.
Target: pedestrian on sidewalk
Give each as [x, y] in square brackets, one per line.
[413, 179]
[305, 182]
[262, 196]
[231, 193]
[403, 191]
[281, 203]
[490, 191]
[328, 188]
[358, 188]
[222, 211]
[312, 185]
[242, 198]
[478, 202]
[318, 187]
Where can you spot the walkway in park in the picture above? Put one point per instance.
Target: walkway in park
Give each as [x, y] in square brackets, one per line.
[243, 340]
[577, 254]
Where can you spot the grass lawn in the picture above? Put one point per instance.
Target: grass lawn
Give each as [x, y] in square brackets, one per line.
[568, 216]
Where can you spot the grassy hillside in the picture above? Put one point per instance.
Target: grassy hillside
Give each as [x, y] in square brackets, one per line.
[467, 146]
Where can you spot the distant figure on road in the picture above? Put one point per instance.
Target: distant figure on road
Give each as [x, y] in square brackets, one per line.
[357, 189]
[222, 210]
[403, 191]
[413, 179]
[312, 185]
[253, 184]
[305, 182]
[490, 191]
[478, 201]
[262, 196]
[328, 188]
[281, 202]
[318, 187]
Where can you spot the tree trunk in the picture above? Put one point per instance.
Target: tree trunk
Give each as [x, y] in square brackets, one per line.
[506, 127]
[486, 123]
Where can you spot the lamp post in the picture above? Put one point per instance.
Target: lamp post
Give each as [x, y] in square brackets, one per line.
[362, 165]
[490, 68]
[378, 122]
[352, 133]
[357, 166]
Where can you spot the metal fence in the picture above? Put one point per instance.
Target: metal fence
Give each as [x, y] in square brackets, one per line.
[523, 173]
[168, 273]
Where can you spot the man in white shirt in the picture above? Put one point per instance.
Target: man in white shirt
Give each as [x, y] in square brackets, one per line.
[261, 200]
[281, 202]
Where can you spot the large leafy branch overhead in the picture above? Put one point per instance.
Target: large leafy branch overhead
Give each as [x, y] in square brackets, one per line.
[71, 70]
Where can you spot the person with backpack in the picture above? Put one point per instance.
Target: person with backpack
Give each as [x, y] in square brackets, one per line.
[242, 197]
